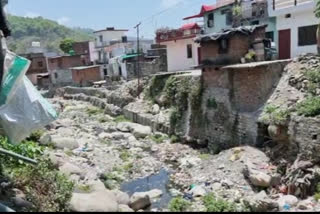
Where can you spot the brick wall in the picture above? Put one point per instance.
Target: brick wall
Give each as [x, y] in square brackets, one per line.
[87, 75]
[65, 62]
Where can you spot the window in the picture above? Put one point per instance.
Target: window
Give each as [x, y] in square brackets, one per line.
[40, 64]
[189, 51]
[210, 20]
[223, 46]
[101, 38]
[105, 71]
[255, 23]
[229, 18]
[270, 35]
[56, 75]
[307, 35]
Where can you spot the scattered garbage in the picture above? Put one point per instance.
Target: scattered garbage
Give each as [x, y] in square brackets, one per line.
[286, 207]
[22, 108]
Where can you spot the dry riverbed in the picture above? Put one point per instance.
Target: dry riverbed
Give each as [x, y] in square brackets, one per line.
[118, 165]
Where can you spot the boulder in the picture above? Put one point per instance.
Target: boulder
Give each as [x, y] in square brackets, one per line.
[125, 208]
[139, 201]
[125, 126]
[155, 109]
[256, 177]
[101, 201]
[65, 132]
[104, 136]
[261, 203]
[140, 131]
[21, 202]
[122, 197]
[64, 142]
[70, 169]
[45, 139]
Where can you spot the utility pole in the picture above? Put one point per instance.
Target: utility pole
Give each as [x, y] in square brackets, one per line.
[138, 59]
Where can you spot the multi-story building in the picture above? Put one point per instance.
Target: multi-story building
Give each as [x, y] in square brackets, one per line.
[86, 51]
[296, 26]
[227, 14]
[182, 51]
[38, 66]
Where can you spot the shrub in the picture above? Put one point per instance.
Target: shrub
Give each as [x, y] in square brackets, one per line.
[35, 136]
[45, 187]
[317, 193]
[174, 139]
[158, 138]
[213, 204]
[121, 118]
[310, 107]
[273, 114]
[178, 205]
[313, 75]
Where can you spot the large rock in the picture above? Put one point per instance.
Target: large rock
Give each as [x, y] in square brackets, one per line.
[287, 200]
[70, 169]
[125, 126]
[139, 201]
[65, 132]
[101, 201]
[125, 208]
[256, 177]
[141, 131]
[122, 197]
[261, 203]
[64, 142]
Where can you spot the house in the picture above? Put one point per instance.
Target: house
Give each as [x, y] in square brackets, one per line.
[226, 14]
[60, 68]
[231, 46]
[38, 65]
[182, 51]
[296, 26]
[86, 75]
[86, 50]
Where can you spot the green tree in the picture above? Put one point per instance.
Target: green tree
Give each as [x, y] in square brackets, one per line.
[66, 45]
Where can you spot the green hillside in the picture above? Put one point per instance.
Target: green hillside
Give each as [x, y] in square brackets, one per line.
[48, 32]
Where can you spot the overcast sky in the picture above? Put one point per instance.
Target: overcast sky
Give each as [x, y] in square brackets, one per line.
[99, 14]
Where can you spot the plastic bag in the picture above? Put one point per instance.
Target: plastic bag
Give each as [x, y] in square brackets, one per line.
[22, 108]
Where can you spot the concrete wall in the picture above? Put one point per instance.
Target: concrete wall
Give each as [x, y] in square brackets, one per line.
[219, 21]
[108, 36]
[63, 76]
[146, 68]
[177, 54]
[298, 19]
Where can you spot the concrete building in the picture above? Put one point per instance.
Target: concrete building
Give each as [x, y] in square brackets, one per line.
[296, 26]
[182, 51]
[220, 16]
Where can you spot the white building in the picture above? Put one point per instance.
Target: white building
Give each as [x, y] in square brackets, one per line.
[296, 26]
[182, 51]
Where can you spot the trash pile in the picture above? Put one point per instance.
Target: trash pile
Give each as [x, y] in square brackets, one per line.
[22, 108]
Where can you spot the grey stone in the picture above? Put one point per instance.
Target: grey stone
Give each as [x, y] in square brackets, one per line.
[45, 140]
[64, 142]
[139, 201]
[261, 203]
[125, 208]
[122, 197]
[102, 201]
[65, 132]
[141, 131]
[155, 109]
[70, 169]
[21, 203]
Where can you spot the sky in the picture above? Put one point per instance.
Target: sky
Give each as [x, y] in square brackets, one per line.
[99, 14]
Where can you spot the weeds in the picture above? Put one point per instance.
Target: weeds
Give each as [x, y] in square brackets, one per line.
[103, 120]
[93, 111]
[158, 138]
[179, 205]
[275, 115]
[125, 155]
[213, 204]
[317, 193]
[309, 107]
[121, 118]
[212, 103]
[204, 156]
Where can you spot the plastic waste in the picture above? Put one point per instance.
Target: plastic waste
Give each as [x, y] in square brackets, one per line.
[286, 207]
[22, 108]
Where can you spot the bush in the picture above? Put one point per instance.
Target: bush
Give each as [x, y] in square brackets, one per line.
[35, 136]
[178, 205]
[121, 118]
[217, 205]
[317, 193]
[275, 115]
[158, 138]
[310, 107]
[45, 187]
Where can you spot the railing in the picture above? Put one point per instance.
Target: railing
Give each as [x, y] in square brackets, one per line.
[280, 4]
[176, 34]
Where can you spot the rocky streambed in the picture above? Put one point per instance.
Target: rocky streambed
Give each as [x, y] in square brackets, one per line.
[118, 165]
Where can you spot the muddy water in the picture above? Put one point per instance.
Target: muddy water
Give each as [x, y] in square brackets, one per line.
[157, 181]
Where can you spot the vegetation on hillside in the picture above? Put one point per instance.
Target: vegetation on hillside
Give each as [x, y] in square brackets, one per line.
[49, 33]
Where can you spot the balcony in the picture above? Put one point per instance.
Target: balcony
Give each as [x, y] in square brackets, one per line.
[280, 7]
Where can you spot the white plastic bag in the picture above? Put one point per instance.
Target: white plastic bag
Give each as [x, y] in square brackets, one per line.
[22, 108]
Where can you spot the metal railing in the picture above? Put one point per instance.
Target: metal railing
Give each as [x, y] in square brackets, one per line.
[280, 4]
